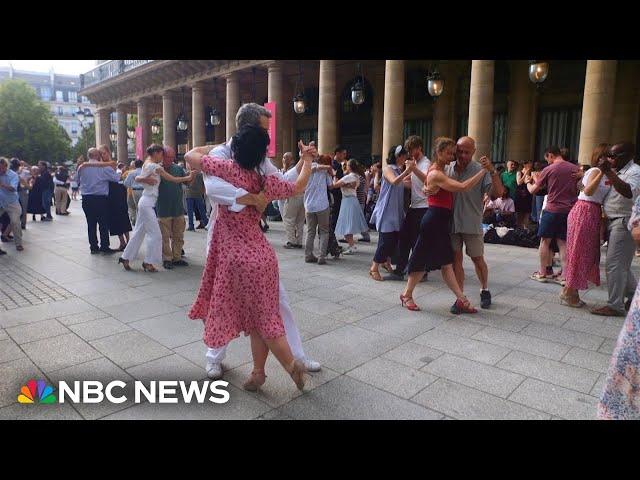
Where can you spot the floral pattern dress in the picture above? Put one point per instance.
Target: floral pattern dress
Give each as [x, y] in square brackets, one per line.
[239, 287]
[620, 399]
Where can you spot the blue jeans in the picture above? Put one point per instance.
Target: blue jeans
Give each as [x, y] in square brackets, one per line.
[199, 204]
[536, 209]
[46, 201]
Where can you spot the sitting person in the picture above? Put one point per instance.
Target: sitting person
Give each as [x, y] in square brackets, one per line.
[500, 210]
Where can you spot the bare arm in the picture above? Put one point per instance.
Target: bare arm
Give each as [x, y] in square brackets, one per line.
[170, 178]
[193, 157]
[592, 184]
[394, 179]
[622, 187]
[420, 174]
[441, 180]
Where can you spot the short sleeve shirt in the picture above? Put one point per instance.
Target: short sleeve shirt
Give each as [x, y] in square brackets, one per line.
[170, 195]
[561, 186]
[615, 205]
[467, 206]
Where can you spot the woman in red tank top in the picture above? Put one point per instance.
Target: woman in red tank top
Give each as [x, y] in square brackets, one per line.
[432, 250]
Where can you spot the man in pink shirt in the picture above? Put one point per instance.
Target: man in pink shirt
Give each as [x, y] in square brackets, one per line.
[560, 180]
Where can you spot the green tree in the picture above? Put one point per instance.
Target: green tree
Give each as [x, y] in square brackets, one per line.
[28, 130]
[86, 140]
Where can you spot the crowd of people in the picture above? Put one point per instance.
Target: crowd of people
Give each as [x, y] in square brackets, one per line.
[426, 212]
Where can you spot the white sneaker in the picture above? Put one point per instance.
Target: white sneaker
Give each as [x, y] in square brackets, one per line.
[350, 250]
[214, 370]
[311, 365]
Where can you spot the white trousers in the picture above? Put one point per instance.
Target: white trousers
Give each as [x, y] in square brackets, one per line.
[216, 355]
[146, 226]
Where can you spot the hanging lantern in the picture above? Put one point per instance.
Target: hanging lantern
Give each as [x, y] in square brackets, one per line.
[357, 91]
[155, 127]
[88, 117]
[113, 136]
[538, 71]
[131, 133]
[299, 102]
[435, 84]
[182, 123]
[214, 117]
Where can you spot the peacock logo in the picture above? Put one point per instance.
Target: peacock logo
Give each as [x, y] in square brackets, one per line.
[44, 392]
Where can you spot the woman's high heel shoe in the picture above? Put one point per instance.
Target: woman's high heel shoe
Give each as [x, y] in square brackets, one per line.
[410, 306]
[255, 381]
[465, 307]
[148, 267]
[125, 263]
[297, 373]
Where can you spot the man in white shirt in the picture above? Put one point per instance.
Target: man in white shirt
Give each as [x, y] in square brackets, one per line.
[411, 225]
[224, 193]
[621, 246]
[292, 210]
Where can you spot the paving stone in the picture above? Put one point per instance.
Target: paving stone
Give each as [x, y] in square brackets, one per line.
[540, 316]
[60, 352]
[54, 411]
[489, 319]
[349, 315]
[274, 414]
[559, 401]
[413, 355]
[314, 323]
[129, 349]
[464, 347]
[9, 350]
[37, 313]
[172, 367]
[36, 331]
[82, 317]
[596, 391]
[327, 402]
[400, 322]
[562, 335]
[318, 306]
[130, 297]
[550, 371]
[95, 329]
[459, 326]
[464, 403]
[347, 347]
[3, 334]
[579, 357]
[141, 309]
[543, 348]
[392, 377]
[608, 346]
[475, 374]
[171, 330]
[181, 299]
[13, 375]
[594, 327]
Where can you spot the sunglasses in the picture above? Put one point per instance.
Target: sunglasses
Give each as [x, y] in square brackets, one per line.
[615, 155]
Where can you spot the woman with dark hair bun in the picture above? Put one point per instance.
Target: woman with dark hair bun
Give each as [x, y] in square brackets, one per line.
[147, 221]
[351, 217]
[388, 214]
[239, 289]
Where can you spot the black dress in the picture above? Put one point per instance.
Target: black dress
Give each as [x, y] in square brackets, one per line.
[34, 205]
[523, 199]
[118, 214]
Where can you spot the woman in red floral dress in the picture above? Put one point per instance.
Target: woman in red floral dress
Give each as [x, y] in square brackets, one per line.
[239, 288]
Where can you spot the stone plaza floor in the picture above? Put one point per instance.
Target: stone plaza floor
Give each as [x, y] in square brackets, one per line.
[68, 315]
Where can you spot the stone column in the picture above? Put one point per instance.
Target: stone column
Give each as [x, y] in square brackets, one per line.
[520, 117]
[597, 106]
[625, 110]
[276, 94]
[197, 121]
[233, 102]
[378, 113]
[481, 106]
[393, 118]
[168, 120]
[443, 108]
[144, 121]
[327, 108]
[103, 126]
[121, 122]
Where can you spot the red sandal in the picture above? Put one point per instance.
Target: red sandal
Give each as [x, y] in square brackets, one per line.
[465, 307]
[410, 306]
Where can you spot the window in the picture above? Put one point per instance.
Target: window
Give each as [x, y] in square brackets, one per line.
[499, 141]
[73, 96]
[421, 128]
[74, 128]
[559, 127]
[59, 96]
[45, 93]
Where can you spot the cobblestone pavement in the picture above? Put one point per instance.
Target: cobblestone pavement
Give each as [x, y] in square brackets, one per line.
[68, 315]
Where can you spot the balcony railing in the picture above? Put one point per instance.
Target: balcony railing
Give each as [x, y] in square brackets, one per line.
[108, 70]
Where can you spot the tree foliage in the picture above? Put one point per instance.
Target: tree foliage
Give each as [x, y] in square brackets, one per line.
[86, 140]
[28, 130]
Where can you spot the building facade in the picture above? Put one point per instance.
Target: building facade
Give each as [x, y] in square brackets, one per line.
[580, 104]
[60, 93]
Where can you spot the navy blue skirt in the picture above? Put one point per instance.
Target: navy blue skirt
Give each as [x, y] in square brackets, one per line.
[433, 247]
